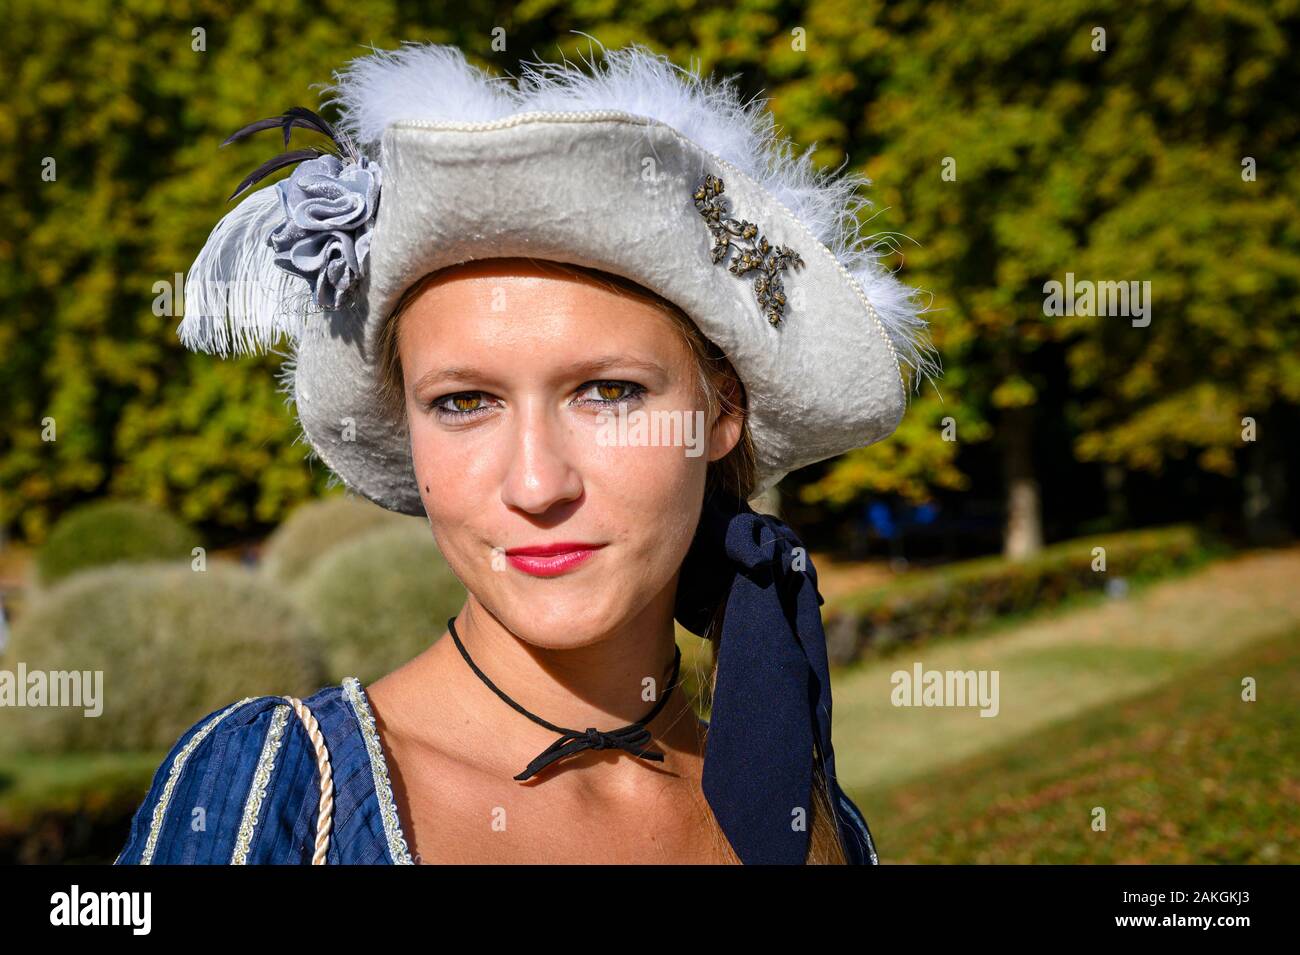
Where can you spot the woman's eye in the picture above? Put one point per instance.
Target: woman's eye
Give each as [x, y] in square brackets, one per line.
[610, 392]
[464, 405]
[461, 404]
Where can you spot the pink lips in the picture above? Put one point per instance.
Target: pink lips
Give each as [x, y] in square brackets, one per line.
[550, 560]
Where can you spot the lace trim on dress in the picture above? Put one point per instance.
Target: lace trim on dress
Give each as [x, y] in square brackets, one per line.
[397, 847]
[257, 792]
[178, 764]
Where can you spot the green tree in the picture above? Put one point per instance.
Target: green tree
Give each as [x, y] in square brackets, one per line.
[1116, 157]
[1115, 164]
[113, 179]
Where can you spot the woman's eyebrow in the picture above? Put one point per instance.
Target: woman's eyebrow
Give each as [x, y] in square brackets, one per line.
[581, 367]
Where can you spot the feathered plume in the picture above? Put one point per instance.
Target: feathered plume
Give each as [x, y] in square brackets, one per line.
[239, 295]
[236, 298]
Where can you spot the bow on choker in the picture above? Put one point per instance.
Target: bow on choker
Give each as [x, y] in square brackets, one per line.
[634, 738]
[772, 700]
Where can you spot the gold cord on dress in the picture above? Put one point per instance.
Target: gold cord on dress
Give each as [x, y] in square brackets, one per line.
[325, 817]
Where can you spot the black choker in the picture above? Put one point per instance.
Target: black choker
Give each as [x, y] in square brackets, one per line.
[633, 738]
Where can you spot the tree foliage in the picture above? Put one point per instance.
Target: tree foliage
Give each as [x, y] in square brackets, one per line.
[1119, 164]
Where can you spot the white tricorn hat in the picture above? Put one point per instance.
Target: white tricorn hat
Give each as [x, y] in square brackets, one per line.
[636, 167]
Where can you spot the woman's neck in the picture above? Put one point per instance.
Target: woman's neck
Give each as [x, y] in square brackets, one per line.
[611, 681]
[616, 678]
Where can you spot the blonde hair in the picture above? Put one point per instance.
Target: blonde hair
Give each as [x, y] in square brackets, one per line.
[734, 473]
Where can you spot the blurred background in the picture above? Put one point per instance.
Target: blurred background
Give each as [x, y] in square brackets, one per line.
[1101, 508]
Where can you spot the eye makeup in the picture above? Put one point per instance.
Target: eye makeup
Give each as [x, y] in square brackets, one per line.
[469, 405]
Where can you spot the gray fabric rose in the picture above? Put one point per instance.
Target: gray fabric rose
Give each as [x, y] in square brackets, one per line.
[329, 208]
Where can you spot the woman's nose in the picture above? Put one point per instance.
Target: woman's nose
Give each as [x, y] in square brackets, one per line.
[541, 471]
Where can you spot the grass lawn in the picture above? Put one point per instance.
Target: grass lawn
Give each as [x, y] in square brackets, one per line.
[70, 808]
[1060, 666]
[1187, 773]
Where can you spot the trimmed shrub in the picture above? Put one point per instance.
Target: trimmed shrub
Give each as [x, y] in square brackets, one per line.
[315, 528]
[173, 644]
[952, 600]
[109, 532]
[380, 600]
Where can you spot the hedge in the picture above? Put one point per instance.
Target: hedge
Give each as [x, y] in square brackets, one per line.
[110, 532]
[958, 598]
[317, 527]
[379, 600]
[173, 644]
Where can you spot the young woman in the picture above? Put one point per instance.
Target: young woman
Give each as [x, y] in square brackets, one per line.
[536, 317]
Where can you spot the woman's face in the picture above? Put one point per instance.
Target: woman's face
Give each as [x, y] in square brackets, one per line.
[516, 379]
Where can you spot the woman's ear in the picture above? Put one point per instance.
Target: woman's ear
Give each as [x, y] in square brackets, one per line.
[730, 422]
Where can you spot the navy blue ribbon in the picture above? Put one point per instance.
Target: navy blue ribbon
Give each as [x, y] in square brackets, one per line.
[771, 712]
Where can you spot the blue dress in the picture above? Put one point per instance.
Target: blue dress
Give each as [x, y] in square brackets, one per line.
[241, 787]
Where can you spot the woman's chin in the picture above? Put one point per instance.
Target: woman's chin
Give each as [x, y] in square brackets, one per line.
[558, 621]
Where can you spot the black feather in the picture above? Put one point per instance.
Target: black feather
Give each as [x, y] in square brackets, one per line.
[312, 120]
[251, 128]
[278, 162]
[302, 118]
[287, 122]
